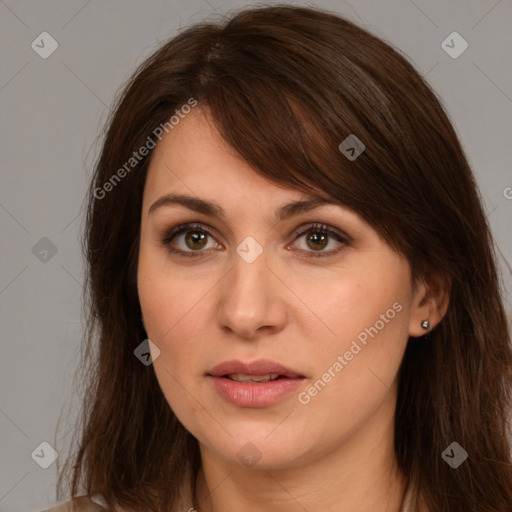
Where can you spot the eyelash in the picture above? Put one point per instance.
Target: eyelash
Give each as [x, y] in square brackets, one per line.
[316, 228]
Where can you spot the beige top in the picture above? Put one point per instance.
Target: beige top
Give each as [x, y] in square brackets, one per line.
[97, 504]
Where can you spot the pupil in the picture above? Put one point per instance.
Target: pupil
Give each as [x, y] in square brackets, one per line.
[318, 238]
[195, 238]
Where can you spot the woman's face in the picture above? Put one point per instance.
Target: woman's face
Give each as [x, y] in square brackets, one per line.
[315, 297]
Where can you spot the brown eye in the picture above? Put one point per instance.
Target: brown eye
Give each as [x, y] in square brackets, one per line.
[192, 240]
[317, 240]
[188, 240]
[318, 237]
[195, 239]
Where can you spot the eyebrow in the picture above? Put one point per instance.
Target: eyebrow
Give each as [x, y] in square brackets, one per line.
[215, 210]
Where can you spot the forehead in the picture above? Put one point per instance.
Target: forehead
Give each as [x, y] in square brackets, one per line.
[193, 166]
[194, 159]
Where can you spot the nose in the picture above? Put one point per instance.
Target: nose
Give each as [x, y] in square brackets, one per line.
[250, 300]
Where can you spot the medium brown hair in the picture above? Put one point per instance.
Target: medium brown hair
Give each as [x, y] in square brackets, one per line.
[285, 85]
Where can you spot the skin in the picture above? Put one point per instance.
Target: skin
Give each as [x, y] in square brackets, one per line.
[334, 453]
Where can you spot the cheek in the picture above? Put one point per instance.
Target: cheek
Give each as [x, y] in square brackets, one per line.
[367, 313]
[368, 343]
[348, 303]
[355, 373]
[168, 296]
[174, 304]
[170, 308]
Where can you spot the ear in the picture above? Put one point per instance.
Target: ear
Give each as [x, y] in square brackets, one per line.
[432, 296]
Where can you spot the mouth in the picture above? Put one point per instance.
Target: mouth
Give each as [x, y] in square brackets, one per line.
[253, 379]
[254, 384]
[261, 370]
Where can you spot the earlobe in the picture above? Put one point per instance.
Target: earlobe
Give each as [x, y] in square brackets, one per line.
[430, 305]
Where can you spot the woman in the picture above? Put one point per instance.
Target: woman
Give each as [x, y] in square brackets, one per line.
[293, 285]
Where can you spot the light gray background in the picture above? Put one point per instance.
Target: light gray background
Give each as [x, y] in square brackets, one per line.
[51, 114]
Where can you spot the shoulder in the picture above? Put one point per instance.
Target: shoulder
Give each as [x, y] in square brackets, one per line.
[80, 504]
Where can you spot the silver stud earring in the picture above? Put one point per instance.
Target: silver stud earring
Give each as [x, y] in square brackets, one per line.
[425, 324]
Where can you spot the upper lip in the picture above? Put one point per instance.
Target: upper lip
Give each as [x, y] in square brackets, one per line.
[259, 367]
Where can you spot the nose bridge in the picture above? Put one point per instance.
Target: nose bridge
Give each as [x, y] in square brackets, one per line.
[250, 266]
[249, 299]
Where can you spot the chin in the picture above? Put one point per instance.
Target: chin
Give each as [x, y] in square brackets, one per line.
[258, 450]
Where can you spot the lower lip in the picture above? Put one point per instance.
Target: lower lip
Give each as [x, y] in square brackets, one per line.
[255, 395]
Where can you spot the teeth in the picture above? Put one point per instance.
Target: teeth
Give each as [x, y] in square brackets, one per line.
[244, 377]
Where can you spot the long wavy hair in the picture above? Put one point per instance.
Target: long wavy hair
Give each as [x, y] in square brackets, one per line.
[285, 86]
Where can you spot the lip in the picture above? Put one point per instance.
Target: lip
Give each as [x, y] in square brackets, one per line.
[258, 367]
[257, 394]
